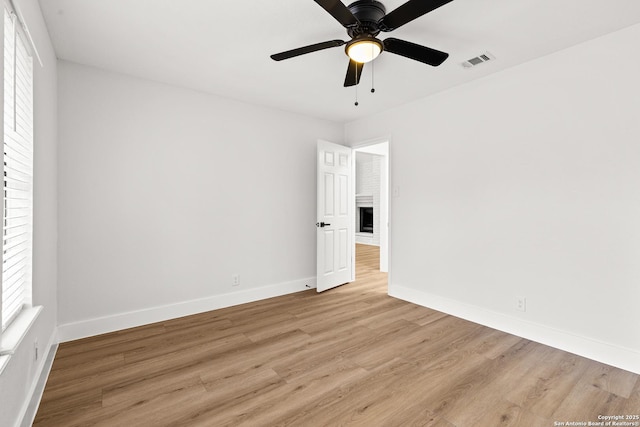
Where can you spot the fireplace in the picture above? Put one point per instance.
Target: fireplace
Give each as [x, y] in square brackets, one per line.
[366, 220]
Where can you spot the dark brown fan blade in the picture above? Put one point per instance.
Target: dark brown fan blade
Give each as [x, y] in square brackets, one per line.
[408, 12]
[353, 73]
[415, 51]
[338, 10]
[307, 49]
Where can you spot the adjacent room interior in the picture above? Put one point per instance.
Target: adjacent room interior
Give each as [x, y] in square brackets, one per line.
[161, 165]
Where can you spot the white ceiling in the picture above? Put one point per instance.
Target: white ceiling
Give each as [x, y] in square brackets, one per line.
[223, 47]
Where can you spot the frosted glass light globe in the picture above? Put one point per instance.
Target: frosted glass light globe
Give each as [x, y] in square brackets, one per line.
[364, 51]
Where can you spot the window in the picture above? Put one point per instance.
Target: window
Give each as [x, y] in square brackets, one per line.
[17, 170]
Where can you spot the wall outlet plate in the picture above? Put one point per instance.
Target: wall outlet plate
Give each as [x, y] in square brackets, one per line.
[521, 304]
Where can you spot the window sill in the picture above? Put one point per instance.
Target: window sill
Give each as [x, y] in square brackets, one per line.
[3, 362]
[15, 333]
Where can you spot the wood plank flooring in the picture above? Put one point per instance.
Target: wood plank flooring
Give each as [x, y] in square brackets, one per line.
[349, 356]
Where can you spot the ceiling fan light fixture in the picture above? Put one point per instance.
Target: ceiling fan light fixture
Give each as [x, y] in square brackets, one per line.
[364, 49]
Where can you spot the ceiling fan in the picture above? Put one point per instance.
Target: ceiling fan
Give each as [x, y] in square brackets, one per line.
[364, 20]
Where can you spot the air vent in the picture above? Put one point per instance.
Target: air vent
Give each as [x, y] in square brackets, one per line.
[478, 60]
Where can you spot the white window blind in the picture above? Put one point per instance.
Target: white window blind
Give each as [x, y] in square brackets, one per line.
[18, 171]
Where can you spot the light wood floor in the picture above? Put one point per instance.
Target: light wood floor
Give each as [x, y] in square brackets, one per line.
[349, 356]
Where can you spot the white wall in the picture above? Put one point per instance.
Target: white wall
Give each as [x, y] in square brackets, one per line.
[19, 377]
[525, 183]
[165, 193]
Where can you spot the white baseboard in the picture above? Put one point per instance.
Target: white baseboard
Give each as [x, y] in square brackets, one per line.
[116, 322]
[620, 357]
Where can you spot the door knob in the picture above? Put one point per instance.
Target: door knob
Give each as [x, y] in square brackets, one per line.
[322, 224]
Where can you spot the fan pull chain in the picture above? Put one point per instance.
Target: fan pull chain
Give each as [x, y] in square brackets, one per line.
[372, 89]
[356, 85]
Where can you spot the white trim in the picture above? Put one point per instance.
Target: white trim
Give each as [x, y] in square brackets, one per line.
[614, 355]
[4, 361]
[17, 330]
[30, 406]
[100, 325]
[373, 141]
[11, 338]
[385, 196]
[25, 29]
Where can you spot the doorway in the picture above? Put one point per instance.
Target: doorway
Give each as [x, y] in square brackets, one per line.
[371, 231]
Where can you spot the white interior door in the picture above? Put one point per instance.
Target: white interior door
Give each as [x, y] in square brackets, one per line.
[335, 216]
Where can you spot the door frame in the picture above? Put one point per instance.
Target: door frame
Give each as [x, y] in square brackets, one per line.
[384, 150]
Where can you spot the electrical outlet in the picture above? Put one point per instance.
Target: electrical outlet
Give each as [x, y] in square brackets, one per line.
[521, 304]
[235, 280]
[35, 350]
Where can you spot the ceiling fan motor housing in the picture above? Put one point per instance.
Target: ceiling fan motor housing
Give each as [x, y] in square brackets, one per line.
[369, 13]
